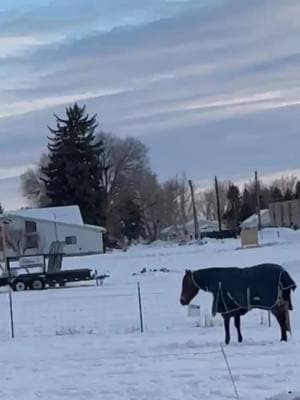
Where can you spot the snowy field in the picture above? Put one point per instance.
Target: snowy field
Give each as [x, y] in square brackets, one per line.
[85, 342]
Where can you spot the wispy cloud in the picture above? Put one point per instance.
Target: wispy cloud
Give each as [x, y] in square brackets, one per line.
[225, 73]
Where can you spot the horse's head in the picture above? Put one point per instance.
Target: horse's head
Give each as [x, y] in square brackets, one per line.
[189, 289]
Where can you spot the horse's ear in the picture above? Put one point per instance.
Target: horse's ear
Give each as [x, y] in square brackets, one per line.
[188, 272]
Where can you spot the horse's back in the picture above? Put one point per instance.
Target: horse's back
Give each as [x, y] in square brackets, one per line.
[268, 271]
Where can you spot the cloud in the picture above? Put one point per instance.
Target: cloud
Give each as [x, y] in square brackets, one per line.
[66, 17]
[201, 81]
[13, 172]
[10, 45]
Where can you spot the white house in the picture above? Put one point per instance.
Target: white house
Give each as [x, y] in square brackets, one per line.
[34, 231]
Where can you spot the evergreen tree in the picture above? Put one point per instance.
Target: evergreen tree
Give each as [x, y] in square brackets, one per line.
[297, 190]
[132, 222]
[247, 208]
[276, 194]
[1, 209]
[288, 194]
[233, 212]
[74, 173]
[264, 197]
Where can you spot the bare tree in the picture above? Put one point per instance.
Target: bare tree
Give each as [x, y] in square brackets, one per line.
[285, 183]
[121, 160]
[207, 203]
[33, 188]
[184, 200]
[149, 197]
[17, 239]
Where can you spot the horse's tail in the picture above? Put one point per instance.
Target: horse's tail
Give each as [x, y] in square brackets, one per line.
[286, 295]
[287, 320]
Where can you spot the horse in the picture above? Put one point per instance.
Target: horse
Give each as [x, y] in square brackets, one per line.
[238, 290]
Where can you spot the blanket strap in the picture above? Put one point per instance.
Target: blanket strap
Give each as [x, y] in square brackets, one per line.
[248, 299]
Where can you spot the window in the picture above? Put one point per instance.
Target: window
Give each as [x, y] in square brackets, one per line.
[30, 227]
[71, 240]
[31, 235]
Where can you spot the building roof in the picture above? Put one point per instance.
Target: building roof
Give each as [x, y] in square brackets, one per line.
[252, 221]
[65, 214]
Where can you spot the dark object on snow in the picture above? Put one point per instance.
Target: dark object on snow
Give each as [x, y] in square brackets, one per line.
[164, 270]
[224, 234]
[237, 290]
[144, 270]
[100, 279]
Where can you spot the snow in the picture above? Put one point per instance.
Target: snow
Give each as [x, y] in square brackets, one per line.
[252, 221]
[65, 214]
[85, 342]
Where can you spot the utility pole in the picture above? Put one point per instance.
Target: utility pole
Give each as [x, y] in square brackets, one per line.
[196, 223]
[257, 190]
[218, 204]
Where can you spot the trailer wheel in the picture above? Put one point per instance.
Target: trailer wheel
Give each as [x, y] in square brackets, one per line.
[18, 286]
[37, 284]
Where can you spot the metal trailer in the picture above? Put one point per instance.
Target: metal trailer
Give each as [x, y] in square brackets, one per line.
[43, 280]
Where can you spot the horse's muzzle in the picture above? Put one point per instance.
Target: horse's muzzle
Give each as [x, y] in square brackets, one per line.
[183, 301]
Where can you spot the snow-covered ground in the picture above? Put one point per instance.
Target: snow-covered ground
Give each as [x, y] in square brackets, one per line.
[84, 342]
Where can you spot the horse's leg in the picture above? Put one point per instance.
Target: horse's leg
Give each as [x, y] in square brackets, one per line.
[227, 328]
[280, 314]
[237, 323]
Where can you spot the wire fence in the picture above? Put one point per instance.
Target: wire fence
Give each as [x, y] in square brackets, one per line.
[106, 310]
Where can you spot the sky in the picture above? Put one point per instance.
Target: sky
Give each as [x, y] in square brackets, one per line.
[210, 86]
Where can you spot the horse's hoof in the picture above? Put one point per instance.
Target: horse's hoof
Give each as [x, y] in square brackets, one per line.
[240, 340]
[227, 341]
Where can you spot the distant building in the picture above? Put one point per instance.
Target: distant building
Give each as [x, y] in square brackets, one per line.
[187, 231]
[285, 213]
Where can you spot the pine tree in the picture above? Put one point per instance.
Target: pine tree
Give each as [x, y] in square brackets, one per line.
[288, 195]
[297, 190]
[1, 209]
[132, 220]
[233, 212]
[276, 194]
[74, 174]
[247, 208]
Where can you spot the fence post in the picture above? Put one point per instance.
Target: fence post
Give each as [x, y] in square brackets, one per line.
[261, 318]
[11, 313]
[140, 308]
[5, 221]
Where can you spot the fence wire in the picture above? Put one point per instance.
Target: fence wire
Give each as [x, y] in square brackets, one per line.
[106, 310]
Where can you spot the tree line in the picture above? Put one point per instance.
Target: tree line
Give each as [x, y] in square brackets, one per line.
[111, 180]
[236, 205]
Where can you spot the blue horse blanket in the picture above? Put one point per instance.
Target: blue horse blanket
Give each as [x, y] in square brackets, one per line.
[261, 286]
